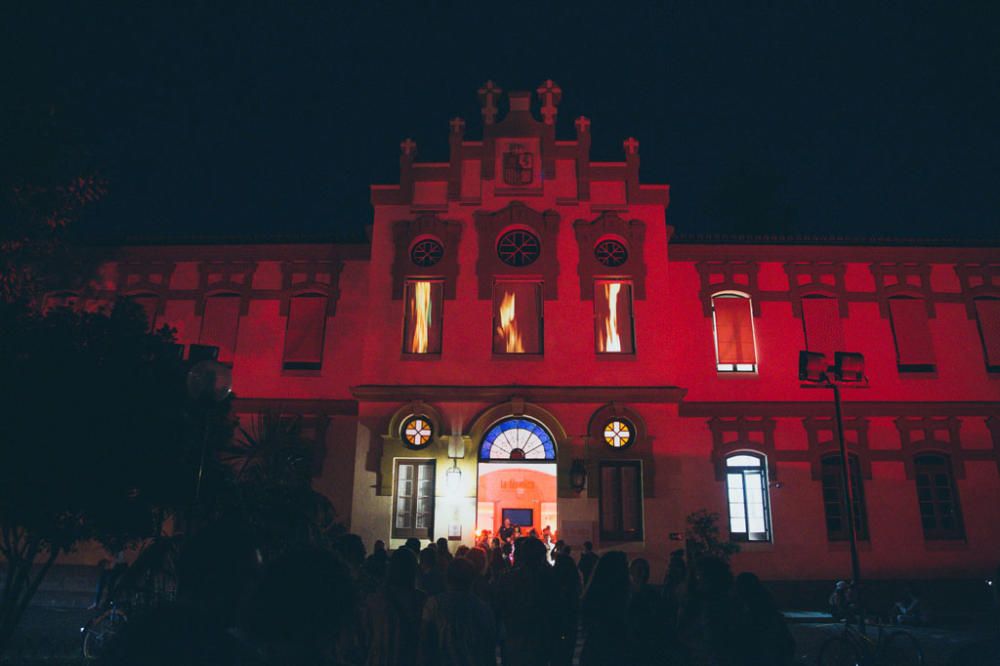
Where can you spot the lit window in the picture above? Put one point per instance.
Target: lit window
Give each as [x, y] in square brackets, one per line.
[835, 500]
[746, 485]
[822, 325]
[413, 499]
[912, 333]
[613, 318]
[220, 324]
[417, 431]
[618, 433]
[621, 500]
[305, 331]
[988, 318]
[517, 318]
[517, 438]
[735, 349]
[422, 325]
[937, 496]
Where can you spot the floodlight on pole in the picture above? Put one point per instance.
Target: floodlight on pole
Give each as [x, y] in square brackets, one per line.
[848, 367]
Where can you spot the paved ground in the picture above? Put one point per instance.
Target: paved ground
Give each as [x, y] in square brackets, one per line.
[50, 634]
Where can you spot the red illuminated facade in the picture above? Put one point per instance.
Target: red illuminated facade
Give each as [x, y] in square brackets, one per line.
[523, 311]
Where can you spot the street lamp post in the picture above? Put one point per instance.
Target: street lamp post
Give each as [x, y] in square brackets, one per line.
[847, 368]
[208, 382]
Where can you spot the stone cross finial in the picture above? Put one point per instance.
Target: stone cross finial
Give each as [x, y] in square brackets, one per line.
[551, 95]
[631, 146]
[409, 147]
[487, 97]
[582, 125]
[457, 126]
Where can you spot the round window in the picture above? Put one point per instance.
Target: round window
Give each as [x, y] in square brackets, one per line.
[618, 433]
[518, 248]
[426, 252]
[417, 431]
[611, 253]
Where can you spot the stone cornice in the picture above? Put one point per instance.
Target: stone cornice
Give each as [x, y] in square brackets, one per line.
[535, 393]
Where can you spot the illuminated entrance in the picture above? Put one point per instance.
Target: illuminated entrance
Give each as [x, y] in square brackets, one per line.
[517, 477]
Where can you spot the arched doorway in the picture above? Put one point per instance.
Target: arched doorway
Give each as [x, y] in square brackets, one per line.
[517, 476]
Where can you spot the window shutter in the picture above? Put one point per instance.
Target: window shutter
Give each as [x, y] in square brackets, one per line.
[304, 335]
[914, 350]
[988, 314]
[823, 329]
[734, 330]
[220, 324]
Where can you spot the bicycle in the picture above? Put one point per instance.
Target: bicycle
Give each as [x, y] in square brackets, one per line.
[100, 630]
[855, 647]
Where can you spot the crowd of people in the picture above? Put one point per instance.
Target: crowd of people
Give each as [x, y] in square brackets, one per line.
[426, 605]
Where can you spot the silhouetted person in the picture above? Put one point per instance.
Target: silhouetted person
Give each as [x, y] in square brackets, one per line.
[413, 544]
[674, 586]
[524, 606]
[768, 642]
[444, 556]
[458, 627]
[498, 562]
[709, 625]
[481, 585]
[302, 605]
[376, 563]
[588, 560]
[429, 580]
[565, 609]
[604, 610]
[392, 614]
[462, 551]
[842, 602]
[644, 622]
[911, 609]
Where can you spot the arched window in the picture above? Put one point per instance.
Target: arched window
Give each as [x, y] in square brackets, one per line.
[835, 500]
[746, 485]
[735, 347]
[517, 438]
[937, 496]
[912, 333]
[305, 331]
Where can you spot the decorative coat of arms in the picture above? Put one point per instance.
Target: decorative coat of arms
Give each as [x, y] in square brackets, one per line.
[518, 166]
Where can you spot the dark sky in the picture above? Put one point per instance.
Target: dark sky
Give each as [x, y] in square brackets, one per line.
[873, 118]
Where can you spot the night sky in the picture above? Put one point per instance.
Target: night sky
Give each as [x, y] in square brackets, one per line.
[874, 118]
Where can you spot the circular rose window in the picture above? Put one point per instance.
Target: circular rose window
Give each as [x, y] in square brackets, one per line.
[417, 431]
[618, 433]
[518, 248]
[611, 253]
[426, 252]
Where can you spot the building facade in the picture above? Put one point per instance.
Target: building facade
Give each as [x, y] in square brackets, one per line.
[525, 337]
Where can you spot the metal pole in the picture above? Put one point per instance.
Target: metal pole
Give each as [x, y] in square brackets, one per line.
[845, 476]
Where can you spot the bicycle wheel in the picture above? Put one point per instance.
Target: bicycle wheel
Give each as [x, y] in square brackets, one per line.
[900, 649]
[99, 632]
[838, 651]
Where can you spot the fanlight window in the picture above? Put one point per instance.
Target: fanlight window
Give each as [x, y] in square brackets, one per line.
[417, 431]
[618, 433]
[517, 439]
[426, 252]
[611, 253]
[518, 248]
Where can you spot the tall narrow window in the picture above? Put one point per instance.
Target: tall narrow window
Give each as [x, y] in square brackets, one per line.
[621, 500]
[938, 497]
[149, 304]
[822, 325]
[914, 351]
[613, 318]
[988, 318]
[305, 331]
[220, 324]
[835, 500]
[735, 348]
[413, 500]
[422, 321]
[746, 484]
[517, 318]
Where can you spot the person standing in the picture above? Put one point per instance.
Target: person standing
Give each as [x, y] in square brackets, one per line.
[588, 560]
[457, 628]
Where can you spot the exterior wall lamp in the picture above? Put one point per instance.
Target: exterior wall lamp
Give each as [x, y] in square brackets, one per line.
[577, 476]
